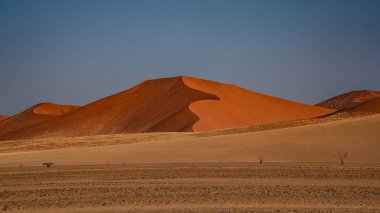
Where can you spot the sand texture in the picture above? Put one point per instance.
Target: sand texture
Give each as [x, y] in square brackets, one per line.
[223, 187]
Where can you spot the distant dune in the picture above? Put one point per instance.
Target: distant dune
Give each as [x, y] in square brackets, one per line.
[171, 105]
[371, 106]
[3, 117]
[33, 115]
[349, 100]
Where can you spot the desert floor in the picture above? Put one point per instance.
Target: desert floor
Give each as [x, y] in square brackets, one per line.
[198, 172]
[207, 187]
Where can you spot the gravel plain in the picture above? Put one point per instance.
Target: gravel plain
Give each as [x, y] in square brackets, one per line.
[204, 187]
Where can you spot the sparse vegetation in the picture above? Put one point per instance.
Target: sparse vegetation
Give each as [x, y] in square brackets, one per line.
[48, 164]
[261, 159]
[203, 187]
[124, 163]
[342, 157]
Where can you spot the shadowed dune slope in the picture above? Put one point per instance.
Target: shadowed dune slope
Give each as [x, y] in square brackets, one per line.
[350, 99]
[240, 107]
[171, 105]
[3, 117]
[33, 115]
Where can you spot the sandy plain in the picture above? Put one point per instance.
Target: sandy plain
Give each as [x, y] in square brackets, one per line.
[205, 187]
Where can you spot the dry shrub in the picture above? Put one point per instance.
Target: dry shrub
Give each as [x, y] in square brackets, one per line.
[48, 164]
[342, 156]
[261, 159]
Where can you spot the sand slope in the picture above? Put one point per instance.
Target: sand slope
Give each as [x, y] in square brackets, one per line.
[34, 115]
[314, 143]
[240, 107]
[350, 99]
[171, 105]
[3, 117]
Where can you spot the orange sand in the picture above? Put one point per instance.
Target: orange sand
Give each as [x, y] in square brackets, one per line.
[241, 107]
[171, 105]
[33, 115]
[3, 117]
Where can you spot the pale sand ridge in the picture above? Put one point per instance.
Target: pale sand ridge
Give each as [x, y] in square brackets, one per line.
[315, 143]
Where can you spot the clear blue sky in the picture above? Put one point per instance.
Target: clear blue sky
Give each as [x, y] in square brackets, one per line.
[74, 52]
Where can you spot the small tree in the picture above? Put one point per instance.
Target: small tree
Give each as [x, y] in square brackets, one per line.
[342, 157]
[261, 159]
[48, 164]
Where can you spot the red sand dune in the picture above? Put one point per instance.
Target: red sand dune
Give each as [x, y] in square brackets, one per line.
[171, 104]
[371, 106]
[349, 100]
[3, 117]
[241, 107]
[33, 115]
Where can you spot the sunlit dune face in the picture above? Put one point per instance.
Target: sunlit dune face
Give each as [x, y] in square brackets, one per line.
[240, 107]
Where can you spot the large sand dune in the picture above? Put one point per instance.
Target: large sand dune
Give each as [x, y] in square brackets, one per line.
[350, 99]
[33, 115]
[171, 105]
[314, 143]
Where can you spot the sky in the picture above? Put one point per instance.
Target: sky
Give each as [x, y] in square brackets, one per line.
[77, 51]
